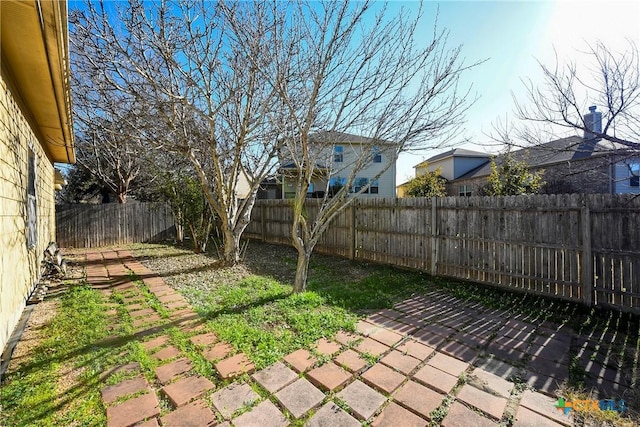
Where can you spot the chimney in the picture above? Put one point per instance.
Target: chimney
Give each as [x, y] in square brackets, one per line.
[593, 122]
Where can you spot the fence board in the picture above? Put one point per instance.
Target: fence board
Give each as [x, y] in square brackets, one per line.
[535, 244]
[89, 226]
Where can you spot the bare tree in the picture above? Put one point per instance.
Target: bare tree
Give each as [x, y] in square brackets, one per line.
[199, 87]
[357, 70]
[106, 142]
[611, 81]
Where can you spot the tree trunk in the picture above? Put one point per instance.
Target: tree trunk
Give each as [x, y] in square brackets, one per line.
[122, 198]
[231, 253]
[179, 234]
[302, 270]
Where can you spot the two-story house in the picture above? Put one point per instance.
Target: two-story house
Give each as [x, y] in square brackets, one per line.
[452, 165]
[336, 157]
[571, 165]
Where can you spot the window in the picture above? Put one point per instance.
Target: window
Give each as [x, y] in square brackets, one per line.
[32, 213]
[337, 153]
[374, 187]
[464, 190]
[377, 157]
[634, 169]
[335, 184]
[359, 184]
[310, 189]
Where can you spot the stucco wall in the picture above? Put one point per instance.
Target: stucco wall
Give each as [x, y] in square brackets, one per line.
[20, 265]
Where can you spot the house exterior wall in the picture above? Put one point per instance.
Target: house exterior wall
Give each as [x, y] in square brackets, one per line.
[446, 166]
[589, 176]
[451, 167]
[351, 152]
[626, 176]
[20, 264]
[386, 181]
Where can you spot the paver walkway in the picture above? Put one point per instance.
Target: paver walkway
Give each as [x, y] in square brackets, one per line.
[432, 354]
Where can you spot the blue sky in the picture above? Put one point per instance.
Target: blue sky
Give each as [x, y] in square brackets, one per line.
[511, 35]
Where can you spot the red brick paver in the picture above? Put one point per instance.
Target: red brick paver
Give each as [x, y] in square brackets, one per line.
[186, 389]
[436, 379]
[133, 411]
[195, 414]
[172, 370]
[383, 378]
[234, 366]
[413, 374]
[301, 360]
[386, 337]
[400, 362]
[395, 414]
[416, 349]
[123, 388]
[371, 346]
[461, 416]
[418, 398]
[166, 353]
[486, 402]
[329, 376]
[218, 351]
[448, 364]
[351, 361]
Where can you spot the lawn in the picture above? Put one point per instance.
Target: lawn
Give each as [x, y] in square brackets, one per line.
[58, 380]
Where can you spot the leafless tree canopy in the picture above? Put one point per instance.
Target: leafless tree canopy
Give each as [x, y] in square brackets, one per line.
[233, 85]
[357, 69]
[611, 81]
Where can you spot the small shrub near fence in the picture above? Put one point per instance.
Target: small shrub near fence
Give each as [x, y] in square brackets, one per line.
[90, 226]
[583, 248]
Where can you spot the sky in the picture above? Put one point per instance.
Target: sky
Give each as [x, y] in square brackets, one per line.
[512, 36]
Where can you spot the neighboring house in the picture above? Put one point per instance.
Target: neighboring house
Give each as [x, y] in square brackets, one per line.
[452, 164]
[35, 132]
[337, 156]
[571, 165]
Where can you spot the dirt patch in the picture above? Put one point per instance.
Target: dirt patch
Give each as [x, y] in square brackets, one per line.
[33, 334]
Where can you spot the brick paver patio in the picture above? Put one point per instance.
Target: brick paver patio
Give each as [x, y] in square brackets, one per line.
[431, 354]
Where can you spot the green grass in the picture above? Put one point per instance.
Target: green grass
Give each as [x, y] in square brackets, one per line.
[262, 318]
[29, 396]
[251, 308]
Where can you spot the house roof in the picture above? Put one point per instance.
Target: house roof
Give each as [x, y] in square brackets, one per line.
[35, 61]
[456, 152]
[568, 149]
[346, 138]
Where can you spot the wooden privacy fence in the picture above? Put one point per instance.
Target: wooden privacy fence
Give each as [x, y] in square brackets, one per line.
[583, 248]
[90, 226]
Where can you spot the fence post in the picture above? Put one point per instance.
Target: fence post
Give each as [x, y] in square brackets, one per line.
[352, 231]
[587, 256]
[434, 236]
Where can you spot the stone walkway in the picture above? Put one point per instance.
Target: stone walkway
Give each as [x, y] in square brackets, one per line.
[432, 355]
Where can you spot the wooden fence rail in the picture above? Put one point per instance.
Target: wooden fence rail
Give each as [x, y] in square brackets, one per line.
[89, 226]
[583, 248]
